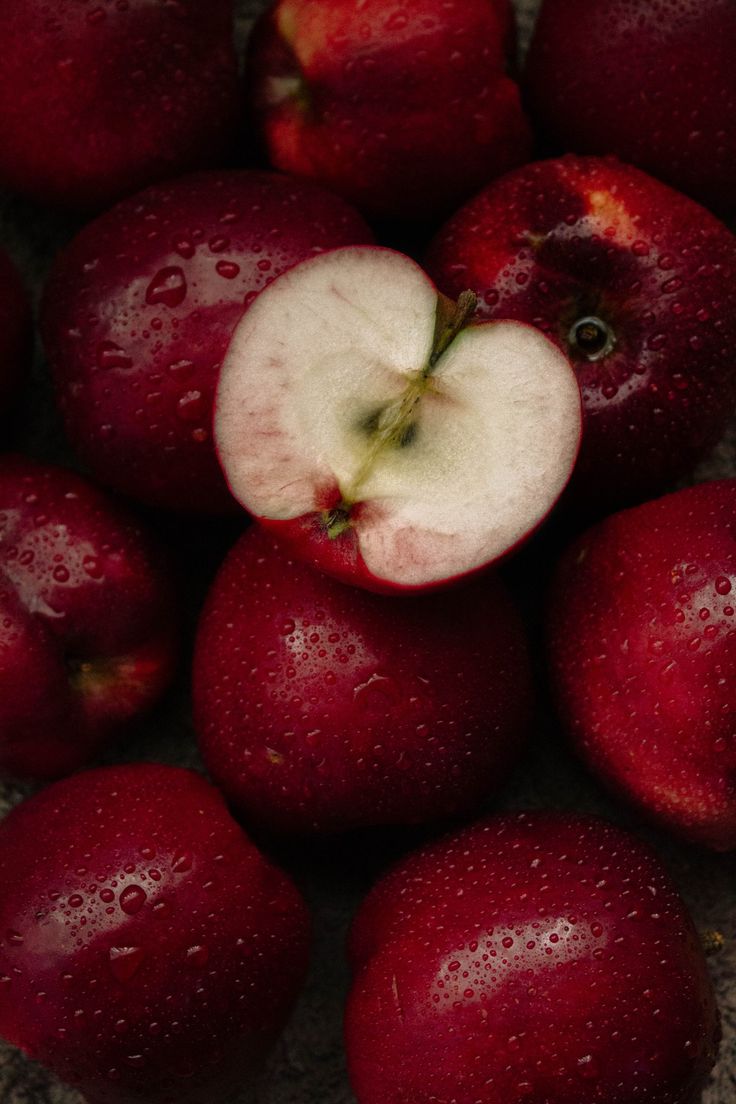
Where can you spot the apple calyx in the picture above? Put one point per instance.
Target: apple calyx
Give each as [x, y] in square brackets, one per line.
[394, 426]
[712, 942]
[591, 337]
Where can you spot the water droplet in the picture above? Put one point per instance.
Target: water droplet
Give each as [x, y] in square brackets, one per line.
[376, 694]
[126, 961]
[132, 899]
[169, 286]
[92, 567]
[110, 355]
[198, 956]
[190, 407]
[182, 862]
[588, 1067]
[227, 269]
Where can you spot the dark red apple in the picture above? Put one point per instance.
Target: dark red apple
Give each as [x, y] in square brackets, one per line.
[321, 707]
[642, 628]
[87, 625]
[391, 439]
[139, 310]
[635, 283]
[149, 952]
[100, 99]
[403, 109]
[653, 82]
[15, 330]
[537, 958]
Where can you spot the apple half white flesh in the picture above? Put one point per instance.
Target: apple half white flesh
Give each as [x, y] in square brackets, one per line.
[392, 441]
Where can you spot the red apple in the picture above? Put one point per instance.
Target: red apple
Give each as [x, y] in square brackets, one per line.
[391, 441]
[532, 958]
[139, 310]
[149, 952]
[403, 109]
[87, 637]
[642, 631]
[15, 330]
[637, 285]
[97, 100]
[321, 707]
[654, 83]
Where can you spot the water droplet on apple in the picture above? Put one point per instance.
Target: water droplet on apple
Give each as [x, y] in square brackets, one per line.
[168, 286]
[125, 962]
[109, 355]
[182, 863]
[132, 899]
[198, 956]
[227, 269]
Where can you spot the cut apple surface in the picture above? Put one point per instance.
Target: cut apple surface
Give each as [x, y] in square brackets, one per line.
[390, 439]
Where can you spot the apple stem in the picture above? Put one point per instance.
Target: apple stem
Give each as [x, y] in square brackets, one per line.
[451, 319]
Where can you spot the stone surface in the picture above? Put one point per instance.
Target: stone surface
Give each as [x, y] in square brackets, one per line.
[308, 1065]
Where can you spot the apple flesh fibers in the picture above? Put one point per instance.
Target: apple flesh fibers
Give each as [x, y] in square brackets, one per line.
[642, 646]
[149, 954]
[390, 441]
[321, 707]
[535, 958]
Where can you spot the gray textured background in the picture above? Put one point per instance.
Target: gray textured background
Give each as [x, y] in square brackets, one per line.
[307, 1066]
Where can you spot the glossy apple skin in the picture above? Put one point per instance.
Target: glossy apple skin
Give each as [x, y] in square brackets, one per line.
[537, 958]
[403, 109]
[167, 949]
[560, 240]
[642, 646]
[139, 310]
[87, 622]
[653, 83]
[97, 101]
[15, 330]
[320, 707]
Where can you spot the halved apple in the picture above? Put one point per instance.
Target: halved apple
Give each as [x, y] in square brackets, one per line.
[391, 440]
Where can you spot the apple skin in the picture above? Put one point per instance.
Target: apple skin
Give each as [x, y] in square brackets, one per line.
[88, 632]
[15, 330]
[536, 957]
[655, 84]
[642, 647]
[138, 313]
[561, 240]
[98, 101]
[404, 109]
[167, 949]
[320, 707]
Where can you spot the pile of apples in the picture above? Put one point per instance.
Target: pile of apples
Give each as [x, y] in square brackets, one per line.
[388, 308]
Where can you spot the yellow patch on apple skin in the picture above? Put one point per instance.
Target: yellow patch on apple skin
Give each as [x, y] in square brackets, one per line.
[305, 32]
[287, 22]
[604, 205]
